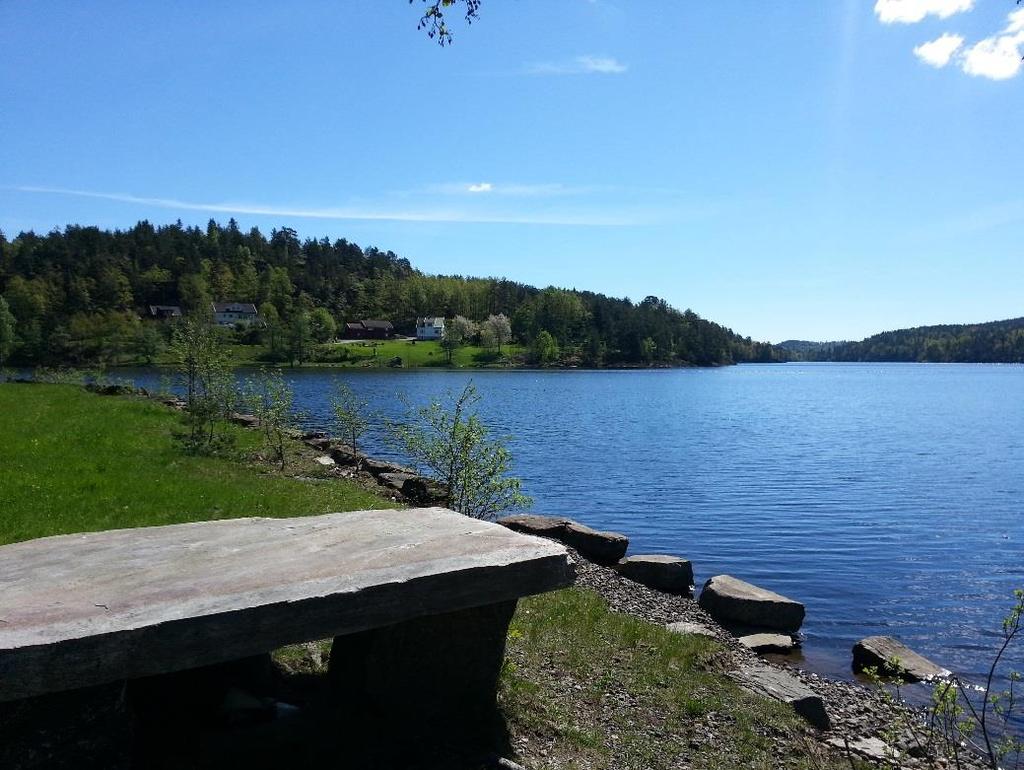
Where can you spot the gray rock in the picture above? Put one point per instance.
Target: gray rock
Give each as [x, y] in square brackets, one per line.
[325, 460]
[871, 749]
[534, 524]
[786, 688]
[729, 600]
[777, 643]
[86, 609]
[378, 467]
[396, 481]
[686, 627]
[245, 420]
[592, 544]
[660, 572]
[892, 657]
[423, 491]
[343, 454]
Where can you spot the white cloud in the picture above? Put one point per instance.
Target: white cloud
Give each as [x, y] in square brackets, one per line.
[480, 187]
[938, 52]
[590, 219]
[581, 65]
[913, 11]
[997, 57]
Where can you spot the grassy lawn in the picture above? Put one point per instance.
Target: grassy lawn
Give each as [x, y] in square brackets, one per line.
[72, 461]
[415, 354]
[373, 354]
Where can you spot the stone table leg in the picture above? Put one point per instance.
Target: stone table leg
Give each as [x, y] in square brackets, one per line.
[435, 674]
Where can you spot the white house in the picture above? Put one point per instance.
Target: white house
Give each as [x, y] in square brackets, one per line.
[429, 328]
[231, 313]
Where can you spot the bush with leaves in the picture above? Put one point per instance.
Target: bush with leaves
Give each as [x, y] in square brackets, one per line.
[203, 372]
[449, 440]
[350, 413]
[269, 398]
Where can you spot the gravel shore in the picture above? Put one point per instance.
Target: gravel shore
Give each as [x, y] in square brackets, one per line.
[877, 729]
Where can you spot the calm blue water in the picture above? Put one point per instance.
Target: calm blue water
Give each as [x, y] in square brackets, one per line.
[889, 498]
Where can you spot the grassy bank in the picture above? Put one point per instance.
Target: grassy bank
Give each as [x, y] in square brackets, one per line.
[362, 355]
[584, 687]
[72, 461]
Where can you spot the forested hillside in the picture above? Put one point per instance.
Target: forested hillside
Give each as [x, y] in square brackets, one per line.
[74, 295]
[994, 342]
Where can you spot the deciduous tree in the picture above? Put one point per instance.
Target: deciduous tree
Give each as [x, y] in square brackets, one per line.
[350, 412]
[448, 438]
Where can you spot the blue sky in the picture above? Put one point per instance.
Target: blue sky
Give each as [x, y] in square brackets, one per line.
[819, 170]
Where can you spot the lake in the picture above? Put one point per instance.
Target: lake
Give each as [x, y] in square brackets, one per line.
[886, 497]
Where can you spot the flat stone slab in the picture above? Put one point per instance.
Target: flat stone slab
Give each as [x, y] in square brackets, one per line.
[777, 643]
[696, 629]
[892, 657]
[729, 600]
[535, 524]
[592, 544]
[658, 571]
[80, 610]
[871, 749]
[785, 688]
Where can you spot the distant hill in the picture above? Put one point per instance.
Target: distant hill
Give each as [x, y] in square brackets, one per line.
[993, 342]
[77, 296]
[806, 346]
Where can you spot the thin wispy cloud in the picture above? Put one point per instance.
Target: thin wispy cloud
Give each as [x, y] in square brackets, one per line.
[913, 11]
[569, 218]
[580, 65]
[938, 52]
[513, 190]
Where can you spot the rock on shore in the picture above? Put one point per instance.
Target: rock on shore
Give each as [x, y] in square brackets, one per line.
[892, 657]
[592, 544]
[732, 601]
[659, 571]
[862, 717]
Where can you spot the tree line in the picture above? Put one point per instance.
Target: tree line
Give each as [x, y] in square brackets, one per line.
[995, 342]
[77, 295]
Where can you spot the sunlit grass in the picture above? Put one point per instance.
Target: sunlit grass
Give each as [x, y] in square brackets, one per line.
[72, 461]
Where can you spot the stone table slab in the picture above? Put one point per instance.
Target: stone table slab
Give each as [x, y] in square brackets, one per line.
[86, 609]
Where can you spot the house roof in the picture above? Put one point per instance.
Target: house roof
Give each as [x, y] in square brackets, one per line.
[430, 321]
[375, 324]
[234, 307]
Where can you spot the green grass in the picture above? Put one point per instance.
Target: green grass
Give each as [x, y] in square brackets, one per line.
[597, 689]
[416, 354]
[373, 354]
[72, 461]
